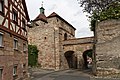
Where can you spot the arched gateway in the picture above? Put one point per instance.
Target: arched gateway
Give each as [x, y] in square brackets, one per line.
[87, 57]
[78, 53]
[71, 59]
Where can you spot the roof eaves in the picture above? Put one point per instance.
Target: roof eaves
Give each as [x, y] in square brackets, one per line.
[56, 15]
[26, 11]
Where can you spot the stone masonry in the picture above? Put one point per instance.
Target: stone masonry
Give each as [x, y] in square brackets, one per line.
[50, 35]
[55, 39]
[13, 40]
[10, 57]
[108, 46]
[78, 46]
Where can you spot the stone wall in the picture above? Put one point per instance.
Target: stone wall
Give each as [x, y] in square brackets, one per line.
[63, 28]
[77, 41]
[44, 38]
[78, 46]
[108, 45]
[50, 41]
[48, 38]
[10, 57]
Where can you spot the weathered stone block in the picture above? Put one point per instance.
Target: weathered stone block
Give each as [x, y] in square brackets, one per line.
[108, 44]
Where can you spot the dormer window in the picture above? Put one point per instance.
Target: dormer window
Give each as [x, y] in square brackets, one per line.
[15, 16]
[1, 6]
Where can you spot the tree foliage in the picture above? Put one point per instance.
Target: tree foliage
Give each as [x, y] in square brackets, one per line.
[100, 10]
[32, 55]
[96, 5]
[89, 53]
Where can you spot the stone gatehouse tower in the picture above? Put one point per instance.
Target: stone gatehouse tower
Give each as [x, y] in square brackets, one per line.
[55, 39]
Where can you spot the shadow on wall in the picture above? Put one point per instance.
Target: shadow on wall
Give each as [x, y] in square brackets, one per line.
[71, 59]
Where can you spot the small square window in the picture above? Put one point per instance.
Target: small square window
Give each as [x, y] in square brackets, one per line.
[24, 65]
[65, 36]
[15, 44]
[1, 5]
[24, 47]
[1, 40]
[1, 73]
[14, 70]
[15, 16]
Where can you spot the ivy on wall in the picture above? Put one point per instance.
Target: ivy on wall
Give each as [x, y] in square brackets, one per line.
[32, 55]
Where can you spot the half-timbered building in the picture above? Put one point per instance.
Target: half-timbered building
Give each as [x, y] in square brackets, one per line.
[13, 40]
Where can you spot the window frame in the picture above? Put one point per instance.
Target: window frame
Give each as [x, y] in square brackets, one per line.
[65, 36]
[1, 73]
[15, 70]
[1, 44]
[2, 6]
[23, 24]
[24, 47]
[15, 44]
[15, 16]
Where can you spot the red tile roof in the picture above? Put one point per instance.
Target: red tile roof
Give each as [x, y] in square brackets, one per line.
[53, 15]
[41, 17]
[44, 18]
[56, 15]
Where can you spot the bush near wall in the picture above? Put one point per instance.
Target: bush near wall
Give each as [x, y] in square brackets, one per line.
[32, 55]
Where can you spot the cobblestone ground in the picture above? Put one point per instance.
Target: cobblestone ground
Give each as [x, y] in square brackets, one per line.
[39, 74]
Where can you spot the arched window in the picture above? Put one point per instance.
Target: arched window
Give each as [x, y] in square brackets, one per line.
[65, 36]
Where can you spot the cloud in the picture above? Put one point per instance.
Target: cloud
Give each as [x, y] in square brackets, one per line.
[84, 32]
[67, 9]
[53, 7]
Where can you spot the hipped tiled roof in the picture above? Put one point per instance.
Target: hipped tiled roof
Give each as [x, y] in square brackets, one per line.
[41, 17]
[44, 18]
[56, 15]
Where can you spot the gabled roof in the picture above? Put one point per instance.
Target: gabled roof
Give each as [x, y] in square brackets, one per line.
[25, 8]
[53, 15]
[41, 17]
[56, 15]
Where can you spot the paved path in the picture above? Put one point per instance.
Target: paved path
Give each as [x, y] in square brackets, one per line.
[60, 75]
[38, 74]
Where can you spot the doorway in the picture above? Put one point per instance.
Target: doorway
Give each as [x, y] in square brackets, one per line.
[71, 59]
[87, 57]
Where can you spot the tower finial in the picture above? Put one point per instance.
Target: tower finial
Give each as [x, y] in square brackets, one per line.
[42, 4]
[42, 9]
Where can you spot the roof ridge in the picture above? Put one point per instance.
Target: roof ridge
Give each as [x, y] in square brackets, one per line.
[56, 15]
[41, 17]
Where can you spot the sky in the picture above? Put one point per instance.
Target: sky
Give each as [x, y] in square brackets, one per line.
[69, 10]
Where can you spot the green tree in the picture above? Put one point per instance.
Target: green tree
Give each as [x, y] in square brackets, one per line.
[101, 10]
[32, 55]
